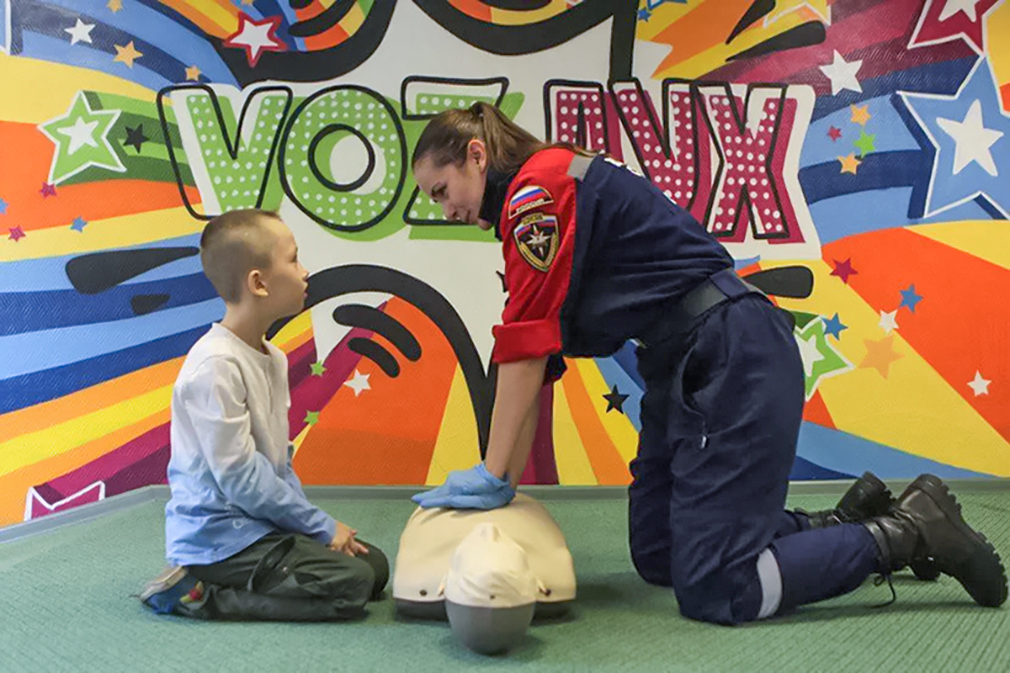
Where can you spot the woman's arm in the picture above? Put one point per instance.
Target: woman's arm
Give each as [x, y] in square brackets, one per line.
[521, 453]
[514, 419]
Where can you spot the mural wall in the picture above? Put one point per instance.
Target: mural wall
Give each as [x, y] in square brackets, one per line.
[852, 155]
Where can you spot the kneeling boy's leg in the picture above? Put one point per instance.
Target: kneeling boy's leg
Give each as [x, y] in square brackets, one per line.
[379, 563]
[287, 577]
[299, 567]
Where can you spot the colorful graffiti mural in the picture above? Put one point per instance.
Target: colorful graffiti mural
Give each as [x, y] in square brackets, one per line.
[849, 154]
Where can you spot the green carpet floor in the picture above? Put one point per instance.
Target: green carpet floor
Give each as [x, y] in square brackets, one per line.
[66, 606]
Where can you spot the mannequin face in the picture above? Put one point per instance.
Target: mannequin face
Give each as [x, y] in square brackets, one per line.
[459, 189]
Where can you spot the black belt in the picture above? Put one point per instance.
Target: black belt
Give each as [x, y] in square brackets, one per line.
[717, 288]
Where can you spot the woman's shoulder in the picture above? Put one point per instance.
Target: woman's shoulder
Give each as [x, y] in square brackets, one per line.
[551, 159]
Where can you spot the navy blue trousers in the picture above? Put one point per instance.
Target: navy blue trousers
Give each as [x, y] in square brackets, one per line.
[720, 420]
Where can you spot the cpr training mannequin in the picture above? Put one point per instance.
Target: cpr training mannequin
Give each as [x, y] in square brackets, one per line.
[487, 571]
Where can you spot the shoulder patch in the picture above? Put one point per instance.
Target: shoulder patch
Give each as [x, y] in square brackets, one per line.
[537, 238]
[528, 198]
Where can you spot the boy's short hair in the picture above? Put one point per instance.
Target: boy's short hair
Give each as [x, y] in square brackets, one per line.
[232, 245]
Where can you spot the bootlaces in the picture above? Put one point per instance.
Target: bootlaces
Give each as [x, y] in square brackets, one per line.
[880, 579]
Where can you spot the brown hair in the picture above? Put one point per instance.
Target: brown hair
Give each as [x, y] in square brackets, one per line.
[509, 145]
[232, 245]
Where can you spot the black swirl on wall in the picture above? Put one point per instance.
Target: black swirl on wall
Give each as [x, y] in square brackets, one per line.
[352, 278]
[538, 36]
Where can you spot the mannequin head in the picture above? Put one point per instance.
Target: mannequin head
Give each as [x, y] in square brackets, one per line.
[490, 591]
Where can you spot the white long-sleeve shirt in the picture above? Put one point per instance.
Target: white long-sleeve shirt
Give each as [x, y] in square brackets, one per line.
[230, 469]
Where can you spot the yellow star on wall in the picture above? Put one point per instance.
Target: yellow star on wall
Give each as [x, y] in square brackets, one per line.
[850, 163]
[193, 74]
[127, 54]
[861, 115]
[880, 355]
[115, 5]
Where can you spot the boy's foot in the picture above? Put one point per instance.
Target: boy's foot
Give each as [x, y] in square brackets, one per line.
[173, 588]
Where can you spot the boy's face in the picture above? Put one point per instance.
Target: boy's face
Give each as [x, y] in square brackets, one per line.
[458, 189]
[286, 281]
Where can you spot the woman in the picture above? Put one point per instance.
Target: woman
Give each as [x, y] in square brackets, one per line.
[596, 255]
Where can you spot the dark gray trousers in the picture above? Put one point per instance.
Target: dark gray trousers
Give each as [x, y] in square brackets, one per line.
[290, 577]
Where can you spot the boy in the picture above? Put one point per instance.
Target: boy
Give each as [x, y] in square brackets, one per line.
[244, 540]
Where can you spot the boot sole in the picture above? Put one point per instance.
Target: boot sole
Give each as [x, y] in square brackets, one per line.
[984, 561]
[875, 484]
[875, 493]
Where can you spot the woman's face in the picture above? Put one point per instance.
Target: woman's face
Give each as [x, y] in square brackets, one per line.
[458, 189]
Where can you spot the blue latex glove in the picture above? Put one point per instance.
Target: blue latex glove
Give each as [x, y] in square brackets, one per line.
[475, 488]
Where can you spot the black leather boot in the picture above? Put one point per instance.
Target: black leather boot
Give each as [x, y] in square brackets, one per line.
[926, 522]
[866, 498]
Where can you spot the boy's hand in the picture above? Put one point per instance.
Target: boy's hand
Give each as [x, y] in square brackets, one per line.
[344, 542]
[354, 548]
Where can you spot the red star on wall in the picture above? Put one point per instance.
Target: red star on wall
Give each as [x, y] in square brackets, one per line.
[948, 20]
[834, 134]
[843, 270]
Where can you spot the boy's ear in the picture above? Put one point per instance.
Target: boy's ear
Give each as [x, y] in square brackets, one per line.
[256, 284]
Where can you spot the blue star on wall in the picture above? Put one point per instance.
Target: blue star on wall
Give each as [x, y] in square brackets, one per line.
[3, 207]
[969, 136]
[834, 327]
[909, 298]
[79, 224]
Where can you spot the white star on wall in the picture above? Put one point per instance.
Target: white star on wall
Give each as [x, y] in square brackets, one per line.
[81, 133]
[256, 37]
[888, 321]
[954, 6]
[843, 75]
[810, 353]
[979, 384]
[972, 140]
[358, 382]
[80, 32]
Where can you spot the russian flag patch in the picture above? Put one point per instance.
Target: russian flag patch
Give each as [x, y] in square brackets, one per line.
[528, 198]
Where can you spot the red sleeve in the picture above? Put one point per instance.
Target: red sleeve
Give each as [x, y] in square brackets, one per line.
[538, 241]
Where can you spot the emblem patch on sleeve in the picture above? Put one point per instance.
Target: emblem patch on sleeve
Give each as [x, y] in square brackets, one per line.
[537, 238]
[528, 198]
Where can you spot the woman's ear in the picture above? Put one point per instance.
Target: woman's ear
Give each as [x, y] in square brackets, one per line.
[476, 151]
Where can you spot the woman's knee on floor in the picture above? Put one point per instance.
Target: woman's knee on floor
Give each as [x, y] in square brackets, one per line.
[649, 534]
[651, 559]
[723, 596]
